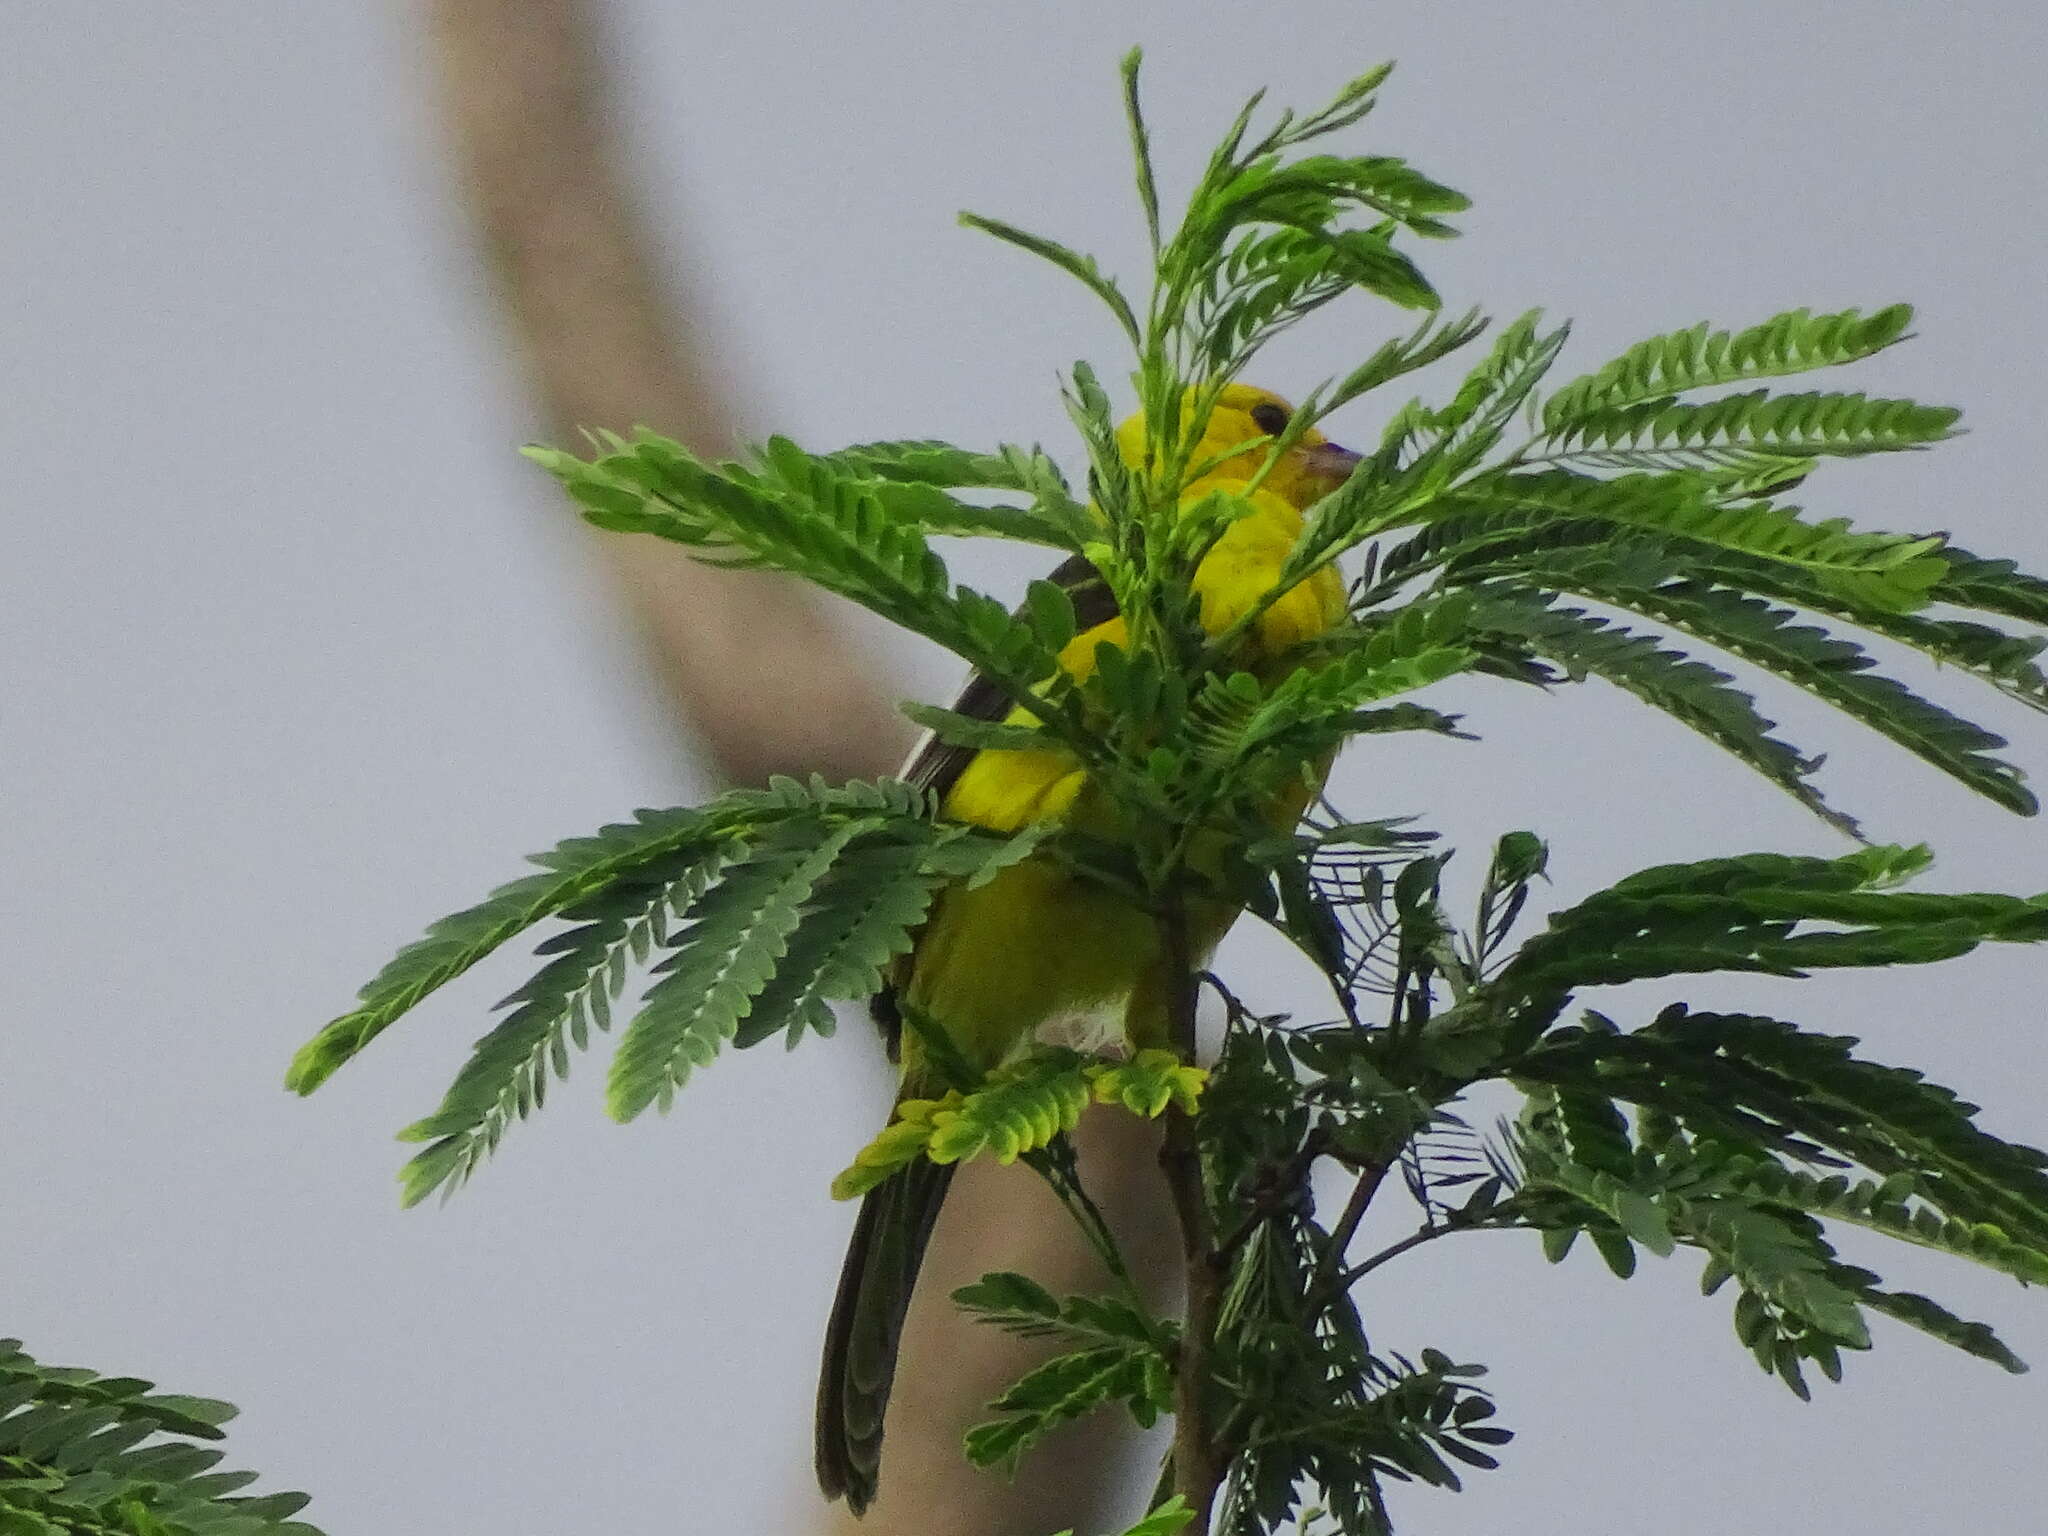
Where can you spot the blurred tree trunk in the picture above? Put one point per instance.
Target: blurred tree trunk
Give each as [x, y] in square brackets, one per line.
[762, 680]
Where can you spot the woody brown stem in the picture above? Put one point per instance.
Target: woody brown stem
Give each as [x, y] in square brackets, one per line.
[1198, 1460]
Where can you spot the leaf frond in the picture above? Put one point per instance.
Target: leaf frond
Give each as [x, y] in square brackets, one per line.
[1797, 341]
[1756, 422]
[83, 1454]
[664, 843]
[1689, 690]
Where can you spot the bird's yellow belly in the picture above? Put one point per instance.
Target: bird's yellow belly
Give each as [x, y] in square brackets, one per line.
[1038, 946]
[1035, 948]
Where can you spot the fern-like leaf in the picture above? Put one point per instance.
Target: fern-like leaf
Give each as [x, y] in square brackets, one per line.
[507, 1073]
[1561, 554]
[1743, 428]
[1067, 1388]
[657, 843]
[738, 932]
[1015, 1110]
[1019, 1305]
[1895, 570]
[1883, 1207]
[1425, 449]
[1692, 692]
[906, 481]
[960, 730]
[1746, 915]
[1453, 437]
[809, 520]
[926, 461]
[1936, 1321]
[1169, 1519]
[1967, 1173]
[1076, 265]
[614, 884]
[1797, 341]
[1437, 337]
[1831, 668]
[1398, 653]
[1012, 1302]
[88, 1455]
[1781, 1264]
[1018, 1109]
[1147, 1083]
[1992, 586]
[1768, 1087]
[2003, 660]
[861, 914]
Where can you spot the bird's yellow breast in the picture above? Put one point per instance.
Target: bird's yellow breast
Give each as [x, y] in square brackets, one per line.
[1006, 790]
[1039, 945]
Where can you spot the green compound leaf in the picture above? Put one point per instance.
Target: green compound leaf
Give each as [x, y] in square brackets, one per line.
[804, 516]
[1761, 1088]
[860, 915]
[1067, 1388]
[1699, 696]
[1016, 1109]
[1797, 341]
[1148, 1083]
[1831, 668]
[1169, 1519]
[1895, 571]
[1073, 263]
[1992, 586]
[1010, 1301]
[738, 932]
[1883, 1207]
[1736, 428]
[1936, 1321]
[1779, 1264]
[509, 1069]
[670, 841]
[1746, 914]
[695, 883]
[88, 1455]
[1019, 1305]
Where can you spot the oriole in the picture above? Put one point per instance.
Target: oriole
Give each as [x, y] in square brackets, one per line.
[1038, 945]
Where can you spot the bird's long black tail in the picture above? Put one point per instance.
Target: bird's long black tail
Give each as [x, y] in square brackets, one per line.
[875, 1283]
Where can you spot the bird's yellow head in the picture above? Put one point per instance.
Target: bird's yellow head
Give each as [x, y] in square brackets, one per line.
[1307, 472]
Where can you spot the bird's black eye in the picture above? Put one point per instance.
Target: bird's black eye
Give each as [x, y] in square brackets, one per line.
[1269, 418]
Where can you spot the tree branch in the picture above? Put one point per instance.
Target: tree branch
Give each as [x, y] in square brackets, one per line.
[1198, 1461]
[1415, 1239]
[762, 676]
[1279, 1188]
[1362, 1192]
[760, 679]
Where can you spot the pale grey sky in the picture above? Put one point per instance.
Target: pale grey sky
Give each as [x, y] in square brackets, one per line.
[300, 655]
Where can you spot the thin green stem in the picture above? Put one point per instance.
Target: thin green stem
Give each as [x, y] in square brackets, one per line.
[1416, 1239]
[1061, 1172]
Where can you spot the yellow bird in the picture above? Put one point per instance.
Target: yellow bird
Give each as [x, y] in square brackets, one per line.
[1038, 946]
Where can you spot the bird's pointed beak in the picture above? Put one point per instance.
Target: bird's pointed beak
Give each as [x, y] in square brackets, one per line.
[1329, 466]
